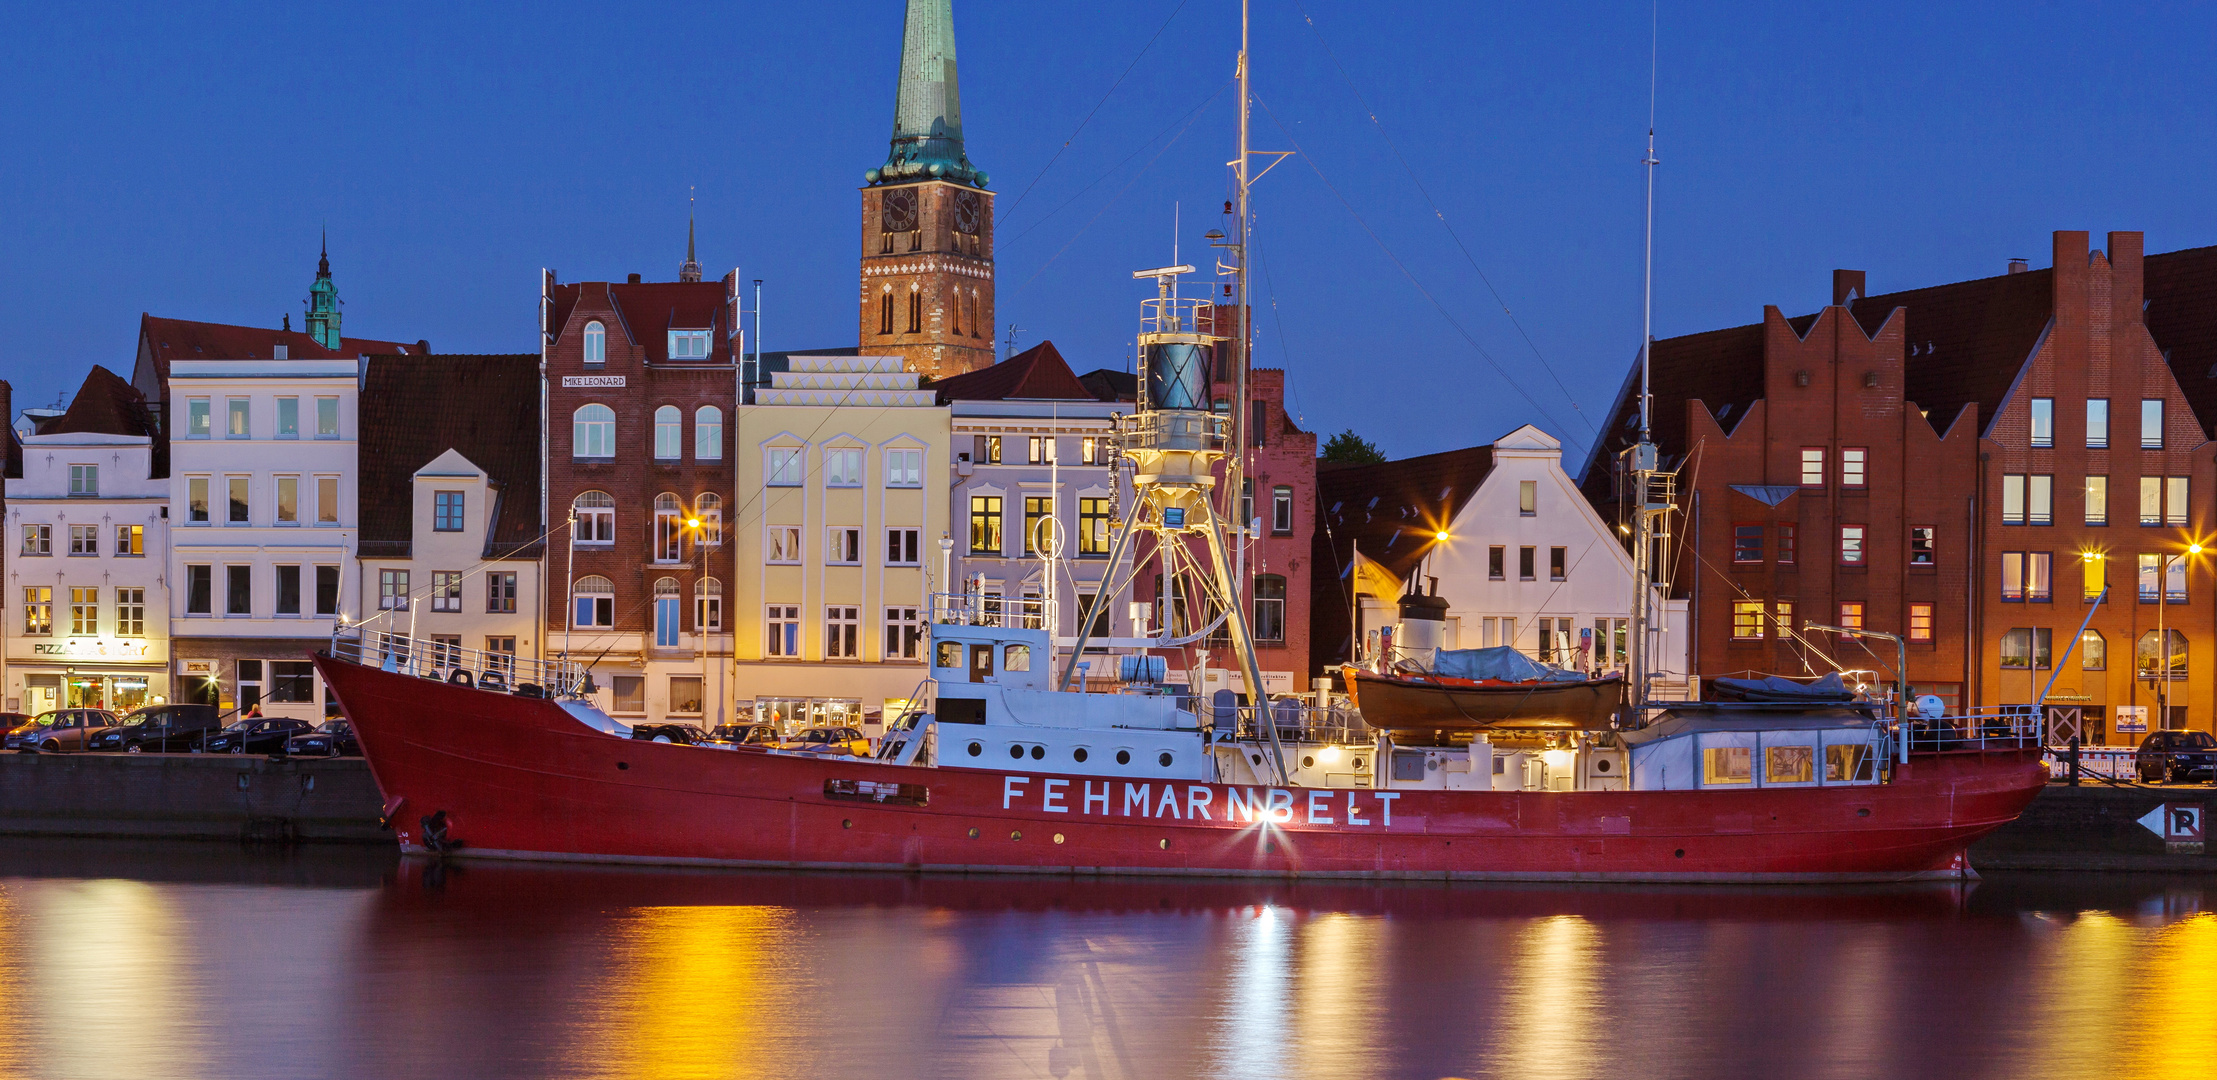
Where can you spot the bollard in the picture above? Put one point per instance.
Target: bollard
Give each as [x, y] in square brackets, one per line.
[2074, 761]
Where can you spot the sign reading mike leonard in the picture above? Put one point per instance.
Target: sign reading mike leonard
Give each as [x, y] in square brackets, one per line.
[2180, 826]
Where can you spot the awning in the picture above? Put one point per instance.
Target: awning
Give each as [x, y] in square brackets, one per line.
[1767, 494]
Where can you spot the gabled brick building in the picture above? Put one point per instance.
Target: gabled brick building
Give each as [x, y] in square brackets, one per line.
[640, 386]
[1965, 465]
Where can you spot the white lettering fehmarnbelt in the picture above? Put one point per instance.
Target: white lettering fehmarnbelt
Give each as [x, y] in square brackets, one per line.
[592, 380]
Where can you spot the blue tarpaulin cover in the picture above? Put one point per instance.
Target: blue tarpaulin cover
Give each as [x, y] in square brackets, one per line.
[1500, 662]
[1777, 688]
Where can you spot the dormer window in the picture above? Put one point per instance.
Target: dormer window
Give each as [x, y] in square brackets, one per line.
[596, 343]
[688, 344]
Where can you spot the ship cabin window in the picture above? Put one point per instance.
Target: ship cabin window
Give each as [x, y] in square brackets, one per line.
[949, 656]
[1789, 765]
[981, 663]
[1727, 765]
[1847, 763]
[1016, 658]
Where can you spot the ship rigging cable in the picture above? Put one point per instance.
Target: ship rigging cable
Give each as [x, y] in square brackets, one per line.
[1096, 109]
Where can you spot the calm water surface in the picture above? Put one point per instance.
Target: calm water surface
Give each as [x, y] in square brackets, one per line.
[120, 960]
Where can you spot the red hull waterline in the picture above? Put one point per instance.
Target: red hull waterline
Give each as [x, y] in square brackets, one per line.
[520, 778]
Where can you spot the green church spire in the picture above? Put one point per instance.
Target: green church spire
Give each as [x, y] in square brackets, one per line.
[323, 303]
[927, 116]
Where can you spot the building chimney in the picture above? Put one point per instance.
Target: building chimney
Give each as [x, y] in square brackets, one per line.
[1844, 283]
[632, 279]
[2019, 266]
[282, 352]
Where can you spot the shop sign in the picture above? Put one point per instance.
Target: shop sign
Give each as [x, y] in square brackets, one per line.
[592, 380]
[2132, 719]
[205, 668]
[2180, 826]
[95, 649]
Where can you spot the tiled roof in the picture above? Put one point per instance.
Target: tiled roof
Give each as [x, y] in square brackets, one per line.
[1109, 384]
[182, 339]
[1036, 374]
[2181, 290]
[105, 405]
[650, 310]
[414, 408]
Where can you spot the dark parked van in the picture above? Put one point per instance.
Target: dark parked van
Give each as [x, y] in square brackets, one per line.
[161, 729]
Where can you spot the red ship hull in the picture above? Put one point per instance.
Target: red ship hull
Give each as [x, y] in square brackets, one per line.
[518, 777]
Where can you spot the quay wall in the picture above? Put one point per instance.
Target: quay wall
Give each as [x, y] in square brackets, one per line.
[2095, 827]
[243, 797]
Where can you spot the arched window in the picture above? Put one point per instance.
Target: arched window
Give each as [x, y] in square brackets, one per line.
[596, 343]
[593, 432]
[915, 310]
[1270, 607]
[596, 518]
[2093, 651]
[885, 309]
[708, 433]
[708, 604]
[667, 605]
[954, 313]
[975, 329]
[595, 598]
[709, 511]
[669, 528]
[2153, 652]
[669, 433]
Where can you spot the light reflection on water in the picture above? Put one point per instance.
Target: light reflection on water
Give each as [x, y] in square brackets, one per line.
[209, 962]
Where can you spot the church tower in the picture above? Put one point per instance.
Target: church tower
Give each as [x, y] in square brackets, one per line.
[323, 304]
[927, 219]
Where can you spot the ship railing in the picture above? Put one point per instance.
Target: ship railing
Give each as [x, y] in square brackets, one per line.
[1175, 429]
[451, 663]
[2002, 727]
[989, 609]
[1296, 721]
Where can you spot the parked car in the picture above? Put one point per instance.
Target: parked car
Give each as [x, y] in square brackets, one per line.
[2177, 757]
[333, 738]
[61, 731]
[254, 735]
[837, 741]
[160, 729]
[10, 723]
[687, 734]
[744, 735]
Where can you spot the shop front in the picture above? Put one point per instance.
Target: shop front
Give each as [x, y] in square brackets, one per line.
[273, 676]
[87, 673]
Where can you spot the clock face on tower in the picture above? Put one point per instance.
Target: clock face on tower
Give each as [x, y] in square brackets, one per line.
[969, 212]
[898, 214]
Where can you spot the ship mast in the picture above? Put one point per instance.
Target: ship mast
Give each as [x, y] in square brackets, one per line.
[1177, 441]
[1650, 488]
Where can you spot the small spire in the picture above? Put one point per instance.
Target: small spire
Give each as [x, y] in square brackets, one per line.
[690, 270]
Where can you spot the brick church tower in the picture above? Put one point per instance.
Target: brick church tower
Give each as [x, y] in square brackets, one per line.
[927, 220]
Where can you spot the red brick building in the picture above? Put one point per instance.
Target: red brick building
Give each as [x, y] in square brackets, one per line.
[640, 387]
[1965, 465]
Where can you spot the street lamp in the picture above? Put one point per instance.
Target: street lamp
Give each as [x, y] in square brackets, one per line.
[2162, 631]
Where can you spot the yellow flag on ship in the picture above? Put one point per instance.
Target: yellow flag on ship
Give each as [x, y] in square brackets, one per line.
[1374, 580]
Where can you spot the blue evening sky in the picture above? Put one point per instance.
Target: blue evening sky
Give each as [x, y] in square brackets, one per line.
[181, 158]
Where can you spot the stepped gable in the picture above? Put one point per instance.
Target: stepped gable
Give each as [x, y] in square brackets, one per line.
[851, 381]
[1036, 374]
[415, 408]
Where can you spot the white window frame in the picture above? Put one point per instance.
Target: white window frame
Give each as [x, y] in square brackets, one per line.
[596, 343]
[843, 466]
[288, 428]
[708, 433]
[784, 466]
[904, 546]
[842, 545]
[596, 525]
[904, 467]
[593, 438]
[781, 545]
[669, 433]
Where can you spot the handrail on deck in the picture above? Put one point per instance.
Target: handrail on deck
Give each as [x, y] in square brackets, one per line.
[451, 663]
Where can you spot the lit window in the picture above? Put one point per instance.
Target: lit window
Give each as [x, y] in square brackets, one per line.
[1093, 526]
[1851, 615]
[1852, 460]
[2097, 500]
[1528, 498]
[2097, 423]
[2013, 499]
[596, 343]
[985, 524]
[2093, 651]
[669, 528]
[593, 432]
[709, 509]
[669, 433]
[1038, 512]
[1789, 764]
[2151, 500]
[130, 612]
[130, 540]
[2151, 424]
[327, 500]
[708, 433]
[2174, 500]
[2039, 500]
[2161, 658]
[1728, 765]
[1747, 620]
[1812, 466]
[2027, 648]
[38, 609]
[2043, 421]
[2026, 576]
[2095, 566]
[84, 611]
[1920, 622]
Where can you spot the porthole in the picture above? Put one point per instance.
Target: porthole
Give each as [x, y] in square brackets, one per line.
[976, 749]
[1256, 758]
[1601, 765]
[1308, 762]
[623, 764]
[846, 823]
[1123, 757]
[1039, 753]
[1163, 843]
[1078, 754]
[1058, 838]
[1015, 751]
[1165, 759]
[1358, 763]
[973, 834]
[1016, 835]
[1679, 854]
